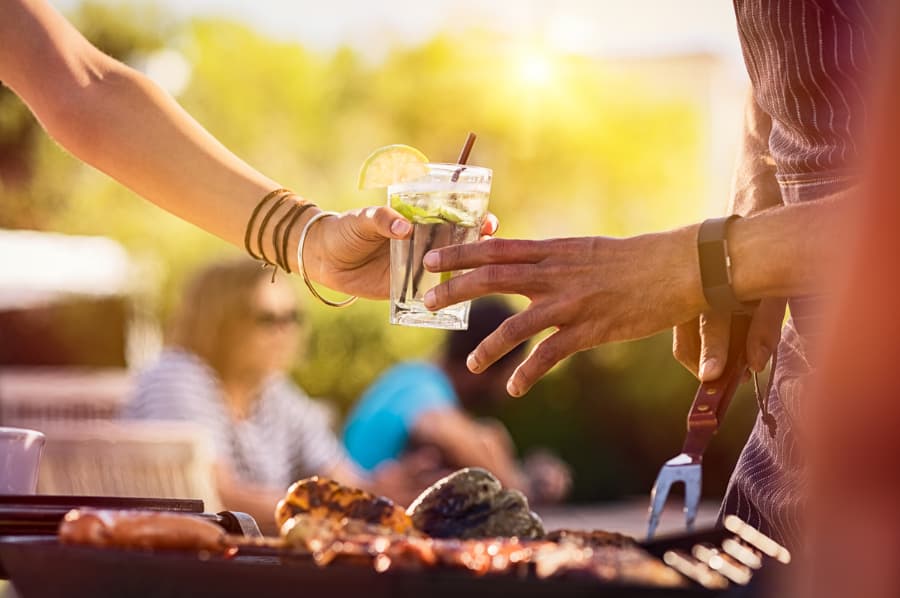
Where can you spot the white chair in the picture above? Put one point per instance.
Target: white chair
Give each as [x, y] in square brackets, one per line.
[36, 397]
[154, 459]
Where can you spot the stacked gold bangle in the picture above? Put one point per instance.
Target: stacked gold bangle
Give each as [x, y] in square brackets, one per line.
[306, 228]
[281, 234]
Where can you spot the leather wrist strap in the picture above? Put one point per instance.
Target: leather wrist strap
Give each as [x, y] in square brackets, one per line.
[715, 266]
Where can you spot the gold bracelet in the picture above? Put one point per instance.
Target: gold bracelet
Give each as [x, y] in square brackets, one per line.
[309, 284]
[249, 230]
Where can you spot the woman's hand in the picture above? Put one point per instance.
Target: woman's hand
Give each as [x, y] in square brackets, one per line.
[351, 253]
[590, 290]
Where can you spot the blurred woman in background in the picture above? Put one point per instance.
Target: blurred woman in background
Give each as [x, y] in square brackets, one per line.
[229, 347]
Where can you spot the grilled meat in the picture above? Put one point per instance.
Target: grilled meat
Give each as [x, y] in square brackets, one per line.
[382, 550]
[141, 529]
[326, 521]
[591, 538]
[616, 564]
[471, 503]
[327, 499]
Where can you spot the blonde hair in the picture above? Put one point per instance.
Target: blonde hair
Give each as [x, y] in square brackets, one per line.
[216, 302]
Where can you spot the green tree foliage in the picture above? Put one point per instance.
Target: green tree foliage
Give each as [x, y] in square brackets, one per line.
[589, 150]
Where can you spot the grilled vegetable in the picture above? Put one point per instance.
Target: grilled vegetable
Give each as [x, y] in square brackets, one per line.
[471, 503]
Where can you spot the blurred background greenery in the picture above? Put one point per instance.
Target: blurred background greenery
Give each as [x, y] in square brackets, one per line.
[578, 144]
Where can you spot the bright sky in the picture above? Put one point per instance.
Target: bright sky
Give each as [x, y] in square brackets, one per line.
[583, 26]
[602, 28]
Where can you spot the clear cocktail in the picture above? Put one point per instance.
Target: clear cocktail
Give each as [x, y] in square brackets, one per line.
[446, 207]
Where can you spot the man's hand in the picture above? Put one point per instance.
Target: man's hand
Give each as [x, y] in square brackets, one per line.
[590, 290]
[701, 344]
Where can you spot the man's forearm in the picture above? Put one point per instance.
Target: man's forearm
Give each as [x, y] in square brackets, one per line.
[786, 251]
[754, 187]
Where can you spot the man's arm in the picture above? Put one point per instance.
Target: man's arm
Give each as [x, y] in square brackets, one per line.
[788, 251]
[754, 187]
[594, 290]
[701, 344]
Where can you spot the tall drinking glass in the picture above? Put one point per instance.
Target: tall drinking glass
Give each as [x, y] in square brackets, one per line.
[20, 459]
[446, 207]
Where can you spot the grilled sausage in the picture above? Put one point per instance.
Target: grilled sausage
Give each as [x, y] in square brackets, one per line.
[141, 529]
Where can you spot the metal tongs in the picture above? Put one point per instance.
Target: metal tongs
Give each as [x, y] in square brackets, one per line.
[704, 418]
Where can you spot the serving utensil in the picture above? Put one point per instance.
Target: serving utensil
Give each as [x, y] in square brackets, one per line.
[706, 414]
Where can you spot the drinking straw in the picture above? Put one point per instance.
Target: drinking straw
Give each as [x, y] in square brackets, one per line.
[417, 277]
[464, 155]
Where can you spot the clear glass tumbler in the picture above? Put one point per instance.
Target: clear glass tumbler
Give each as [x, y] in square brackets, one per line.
[446, 207]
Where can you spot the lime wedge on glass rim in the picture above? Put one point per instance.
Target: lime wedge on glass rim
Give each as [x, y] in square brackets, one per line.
[399, 163]
[392, 164]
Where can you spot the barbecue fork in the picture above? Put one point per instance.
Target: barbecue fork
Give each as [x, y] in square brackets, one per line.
[704, 418]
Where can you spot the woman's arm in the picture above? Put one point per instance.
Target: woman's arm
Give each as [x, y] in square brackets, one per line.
[237, 495]
[120, 122]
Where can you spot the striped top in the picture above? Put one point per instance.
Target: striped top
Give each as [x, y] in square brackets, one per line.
[809, 61]
[285, 437]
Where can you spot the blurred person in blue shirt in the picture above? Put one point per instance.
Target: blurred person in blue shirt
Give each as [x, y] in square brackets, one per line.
[419, 413]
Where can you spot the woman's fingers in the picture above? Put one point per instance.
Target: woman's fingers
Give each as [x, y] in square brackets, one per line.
[492, 251]
[490, 225]
[510, 334]
[389, 223]
[378, 223]
[765, 332]
[510, 279]
[542, 358]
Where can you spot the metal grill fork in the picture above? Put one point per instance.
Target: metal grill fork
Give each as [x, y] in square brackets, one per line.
[705, 416]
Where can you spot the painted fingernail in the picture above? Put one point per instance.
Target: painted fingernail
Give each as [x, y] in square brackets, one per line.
[431, 260]
[472, 363]
[430, 300]
[400, 227]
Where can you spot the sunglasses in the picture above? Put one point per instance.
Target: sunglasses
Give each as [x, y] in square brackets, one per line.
[269, 319]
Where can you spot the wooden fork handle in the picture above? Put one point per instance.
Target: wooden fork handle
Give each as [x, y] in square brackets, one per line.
[712, 398]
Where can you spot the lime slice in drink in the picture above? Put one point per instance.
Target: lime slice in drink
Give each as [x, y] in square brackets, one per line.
[456, 216]
[415, 213]
[392, 164]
